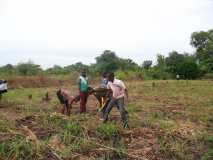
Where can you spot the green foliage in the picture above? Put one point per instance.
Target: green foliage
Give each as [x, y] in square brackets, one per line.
[110, 62]
[127, 65]
[107, 62]
[56, 121]
[173, 61]
[18, 148]
[183, 64]
[25, 69]
[125, 75]
[189, 70]
[120, 74]
[8, 69]
[203, 42]
[58, 70]
[158, 73]
[28, 68]
[147, 64]
[73, 128]
[107, 130]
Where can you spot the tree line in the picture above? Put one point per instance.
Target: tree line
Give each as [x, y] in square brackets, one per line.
[186, 65]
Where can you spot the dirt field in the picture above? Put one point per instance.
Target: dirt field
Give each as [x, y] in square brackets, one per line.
[168, 120]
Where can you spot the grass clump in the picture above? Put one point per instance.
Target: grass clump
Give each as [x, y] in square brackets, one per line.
[18, 148]
[71, 132]
[55, 121]
[107, 130]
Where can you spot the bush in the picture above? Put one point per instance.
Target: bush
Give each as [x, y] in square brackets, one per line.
[120, 75]
[189, 70]
[129, 74]
[28, 69]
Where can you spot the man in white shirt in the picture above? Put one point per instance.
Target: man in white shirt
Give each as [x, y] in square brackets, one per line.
[118, 91]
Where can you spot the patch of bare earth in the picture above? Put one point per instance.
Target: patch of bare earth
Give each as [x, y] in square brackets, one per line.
[10, 111]
[142, 142]
[31, 123]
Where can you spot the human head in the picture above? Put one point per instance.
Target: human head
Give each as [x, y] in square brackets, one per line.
[111, 77]
[83, 72]
[104, 75]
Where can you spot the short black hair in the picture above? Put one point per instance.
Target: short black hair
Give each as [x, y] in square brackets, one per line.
[104, 74]
[111, 74]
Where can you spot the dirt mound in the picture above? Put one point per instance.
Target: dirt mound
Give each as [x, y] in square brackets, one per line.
[30, 122]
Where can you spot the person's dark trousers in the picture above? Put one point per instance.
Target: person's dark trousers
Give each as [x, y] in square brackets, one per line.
[119, 103]
[105, 106]
[83, 101]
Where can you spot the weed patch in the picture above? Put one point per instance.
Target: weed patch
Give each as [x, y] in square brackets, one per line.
[107, 130]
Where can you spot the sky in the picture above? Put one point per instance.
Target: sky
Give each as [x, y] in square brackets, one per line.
[64, 32]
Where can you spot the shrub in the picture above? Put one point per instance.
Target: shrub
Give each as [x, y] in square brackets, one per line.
[28, 68]
[189, 70]
[120, 75]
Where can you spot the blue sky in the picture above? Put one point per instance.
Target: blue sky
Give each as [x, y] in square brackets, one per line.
[64, 32]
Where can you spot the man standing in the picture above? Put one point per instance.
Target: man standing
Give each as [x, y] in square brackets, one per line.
[117, 89]
[83, 89]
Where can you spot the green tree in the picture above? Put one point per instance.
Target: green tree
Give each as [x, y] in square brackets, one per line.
[188, 69]
[147, 64]
[203, 43]
[7, 69]
[107, 62]
[161, 62]
[173, 61]
[160, 70]
[28, 68]
[127, 64]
